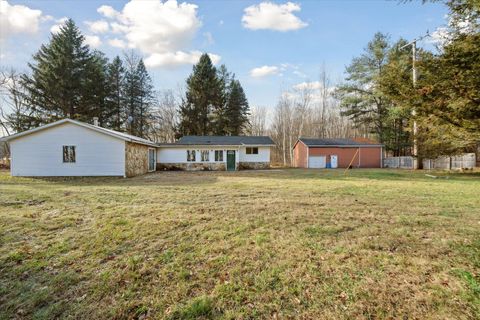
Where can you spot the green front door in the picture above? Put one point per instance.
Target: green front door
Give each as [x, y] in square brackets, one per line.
[230, 160]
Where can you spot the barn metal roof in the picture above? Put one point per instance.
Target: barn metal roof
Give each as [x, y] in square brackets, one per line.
[223, 141]
[324, 142]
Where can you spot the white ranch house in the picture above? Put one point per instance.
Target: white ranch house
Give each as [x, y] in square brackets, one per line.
[72, 148]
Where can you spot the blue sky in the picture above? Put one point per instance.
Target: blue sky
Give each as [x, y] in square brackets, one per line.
[270, 46]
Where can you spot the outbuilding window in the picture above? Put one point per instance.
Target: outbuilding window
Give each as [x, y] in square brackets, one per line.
[69, 154]
[191, 155]
[219, 155]
[252, 150]
[205, 155]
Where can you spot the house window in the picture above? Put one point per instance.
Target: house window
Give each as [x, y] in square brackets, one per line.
[190, 155]
[69, 154]
[219, 155]
[205, 154]
[252, 150]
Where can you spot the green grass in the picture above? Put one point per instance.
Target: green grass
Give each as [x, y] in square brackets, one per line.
[312, 244]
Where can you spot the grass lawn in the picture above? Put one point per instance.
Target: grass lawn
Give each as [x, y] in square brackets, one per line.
[277, 244]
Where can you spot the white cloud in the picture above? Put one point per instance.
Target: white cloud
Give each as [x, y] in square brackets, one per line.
[18, 19]
[439, 36]
[108, 12]
[264, 71]
[117, 43]
[99, 26]
[314, 85]
[268, 15]
[93, 41]
[443, 34]
[208, 39]
[299, 74]
[118, 28]
[58, 23]
[161, 30]
[174, 59]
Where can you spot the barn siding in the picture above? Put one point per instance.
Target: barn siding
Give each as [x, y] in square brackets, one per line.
[136, 159]
[368, 157]
[41, 153]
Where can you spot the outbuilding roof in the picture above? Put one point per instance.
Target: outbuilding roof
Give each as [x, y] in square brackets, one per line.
[113, 133]
[324, 142]
[223, 141]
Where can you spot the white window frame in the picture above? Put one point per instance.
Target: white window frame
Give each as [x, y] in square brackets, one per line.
[190, 152]
[220, 152]
[251, 149]
[203, 153]
[69, 153]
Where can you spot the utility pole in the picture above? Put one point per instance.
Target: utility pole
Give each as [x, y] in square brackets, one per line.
[416, 162]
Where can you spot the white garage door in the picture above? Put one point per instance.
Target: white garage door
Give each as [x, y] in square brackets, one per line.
[317, 162]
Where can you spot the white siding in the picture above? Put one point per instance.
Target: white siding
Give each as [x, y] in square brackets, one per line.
[41, 153]
[179, 155]
[262, 156]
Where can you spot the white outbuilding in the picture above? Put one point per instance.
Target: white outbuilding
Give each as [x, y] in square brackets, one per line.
[227, 153]
[72, 148]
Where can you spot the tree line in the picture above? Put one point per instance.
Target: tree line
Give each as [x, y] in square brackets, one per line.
[377, 99]
[69, 80]
[444, 102]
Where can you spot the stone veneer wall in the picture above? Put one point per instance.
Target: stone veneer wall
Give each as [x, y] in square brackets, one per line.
[253, 165]
[211, 166]
[136, 159]
[194, 166]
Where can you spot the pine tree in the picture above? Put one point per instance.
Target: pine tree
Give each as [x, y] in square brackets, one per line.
[145, 99]
[204, 97]
[360, 97]
[219, 121]
[237, 109]
[138, 96]
[114, 100]
[55, 88]
[95, 91]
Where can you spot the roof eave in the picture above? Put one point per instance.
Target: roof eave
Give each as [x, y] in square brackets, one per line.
[343, 145]
[215, 145]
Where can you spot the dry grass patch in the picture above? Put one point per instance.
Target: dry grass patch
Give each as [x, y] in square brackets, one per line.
[306, 244]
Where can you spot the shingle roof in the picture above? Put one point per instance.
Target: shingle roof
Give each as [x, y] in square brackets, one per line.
[122, 134]
[224, 140]
[109, 132]
[315, 142]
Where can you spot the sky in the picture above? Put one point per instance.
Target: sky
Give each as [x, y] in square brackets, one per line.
[270, 46]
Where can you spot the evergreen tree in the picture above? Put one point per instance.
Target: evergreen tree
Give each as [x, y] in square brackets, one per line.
[219, 117]
[138, 97]
[360, 96]
[204, 97]
[95, 90]
[145, 100]
[237, 109]
[114, 100]
[56, 87]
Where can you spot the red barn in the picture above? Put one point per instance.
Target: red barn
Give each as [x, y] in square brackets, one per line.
[337, 153]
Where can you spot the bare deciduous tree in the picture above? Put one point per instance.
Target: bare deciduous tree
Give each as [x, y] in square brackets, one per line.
[257, 121]
[165, 117]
